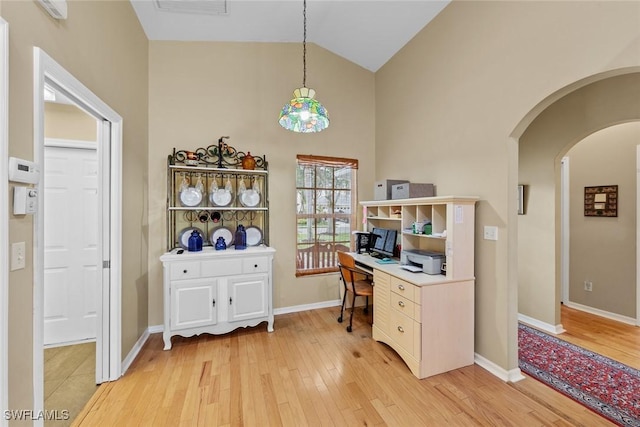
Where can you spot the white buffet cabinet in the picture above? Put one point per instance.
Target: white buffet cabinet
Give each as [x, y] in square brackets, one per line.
[216, 292]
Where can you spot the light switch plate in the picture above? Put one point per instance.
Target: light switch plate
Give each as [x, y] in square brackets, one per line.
[490, 232]
[18, 255]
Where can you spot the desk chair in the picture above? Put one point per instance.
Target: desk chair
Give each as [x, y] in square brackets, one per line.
[357, 282]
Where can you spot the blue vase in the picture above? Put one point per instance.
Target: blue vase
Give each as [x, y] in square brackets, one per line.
[241, 238]
[221, 244]
[195, 241]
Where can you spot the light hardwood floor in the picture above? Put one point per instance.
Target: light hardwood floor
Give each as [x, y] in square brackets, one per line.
[310, 371]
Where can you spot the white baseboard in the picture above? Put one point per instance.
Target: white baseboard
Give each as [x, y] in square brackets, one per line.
[64, 344]
[602, 313]
[305, 307]
[547, 327]
[157, 329]
[134, 351]
[513, 375]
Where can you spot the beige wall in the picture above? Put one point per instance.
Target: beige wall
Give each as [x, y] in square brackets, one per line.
[63, 121]
[457, 92]
[603, 250]
[201, 91]
[103, 46]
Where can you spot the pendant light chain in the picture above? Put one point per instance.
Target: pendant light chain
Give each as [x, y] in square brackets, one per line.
[304, 45]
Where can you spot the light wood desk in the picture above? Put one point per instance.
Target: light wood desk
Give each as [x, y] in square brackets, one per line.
[427, 319]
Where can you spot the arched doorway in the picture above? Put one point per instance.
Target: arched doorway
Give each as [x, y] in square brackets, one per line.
[543, 137]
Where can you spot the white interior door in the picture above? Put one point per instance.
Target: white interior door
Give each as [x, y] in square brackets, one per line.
[70, 244]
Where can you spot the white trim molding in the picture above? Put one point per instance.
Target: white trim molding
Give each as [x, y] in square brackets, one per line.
[305, 307]
[109, 341]
[512, 376]
[546, 327]
[602, 313]
[4, 219]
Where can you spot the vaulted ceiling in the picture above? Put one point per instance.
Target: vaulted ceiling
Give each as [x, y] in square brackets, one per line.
[366, 32]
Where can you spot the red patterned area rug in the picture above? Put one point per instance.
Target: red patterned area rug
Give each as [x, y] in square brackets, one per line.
[605, 386]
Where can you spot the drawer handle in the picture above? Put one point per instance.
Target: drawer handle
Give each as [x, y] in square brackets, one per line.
[255, 265]
[184, 271]
[401, 303]
[401, 287]
[401, 329]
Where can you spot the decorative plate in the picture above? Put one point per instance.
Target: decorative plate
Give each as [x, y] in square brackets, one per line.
[190, 197]
[254, 235]
[220, 197]
[183, 236]
[249, 199]
[224, 232]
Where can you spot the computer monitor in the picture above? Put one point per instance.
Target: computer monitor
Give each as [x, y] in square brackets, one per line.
[385, 243]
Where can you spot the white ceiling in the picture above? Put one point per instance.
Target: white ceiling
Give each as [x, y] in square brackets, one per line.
[366, 32]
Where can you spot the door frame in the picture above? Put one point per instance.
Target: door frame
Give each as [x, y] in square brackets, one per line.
[637, 235]
[4, 219]
[109, 151]
[565, 250]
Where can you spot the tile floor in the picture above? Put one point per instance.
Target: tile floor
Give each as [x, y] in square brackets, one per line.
[69, 380]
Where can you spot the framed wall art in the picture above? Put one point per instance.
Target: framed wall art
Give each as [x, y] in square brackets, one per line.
[601, 201]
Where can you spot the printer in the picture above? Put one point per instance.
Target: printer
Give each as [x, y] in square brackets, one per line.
[431, 262]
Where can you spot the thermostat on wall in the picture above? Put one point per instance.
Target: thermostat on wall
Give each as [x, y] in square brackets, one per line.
[21, 170]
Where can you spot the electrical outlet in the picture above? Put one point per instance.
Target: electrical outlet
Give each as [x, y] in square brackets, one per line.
[588, 286]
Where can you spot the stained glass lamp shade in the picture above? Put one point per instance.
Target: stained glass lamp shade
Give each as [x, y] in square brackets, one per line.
[304, 113]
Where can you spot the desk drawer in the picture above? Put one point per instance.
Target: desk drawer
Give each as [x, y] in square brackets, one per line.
[185, 270]
[406, 289]
[405, 332]
[403, 305]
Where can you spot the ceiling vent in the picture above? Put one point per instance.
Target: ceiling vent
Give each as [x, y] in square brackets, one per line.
[56, 8]
[197, 7]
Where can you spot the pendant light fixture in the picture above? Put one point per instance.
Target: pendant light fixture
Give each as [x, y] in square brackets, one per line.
[304, 113]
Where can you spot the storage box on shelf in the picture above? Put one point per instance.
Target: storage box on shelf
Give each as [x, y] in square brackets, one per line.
[427, 319]
[411, 190]
[216, 291]
[382, 189]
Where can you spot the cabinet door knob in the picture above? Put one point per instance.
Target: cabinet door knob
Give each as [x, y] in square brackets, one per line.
[214, 302]
[230, 300]
[401, 287]
[401, 303]
[255, 265]
[184, 271]
[401, 329]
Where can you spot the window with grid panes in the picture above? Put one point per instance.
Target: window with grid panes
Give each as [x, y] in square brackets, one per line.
[326, 200]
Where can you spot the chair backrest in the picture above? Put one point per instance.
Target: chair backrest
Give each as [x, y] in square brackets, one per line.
[346, 262]
[346, 259]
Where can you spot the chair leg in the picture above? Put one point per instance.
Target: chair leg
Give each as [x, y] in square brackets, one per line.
[366, 307]
[353, 306]
[344, 300]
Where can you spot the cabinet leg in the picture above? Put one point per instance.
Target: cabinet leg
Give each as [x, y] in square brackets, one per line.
[167, 342]
[270, 325]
